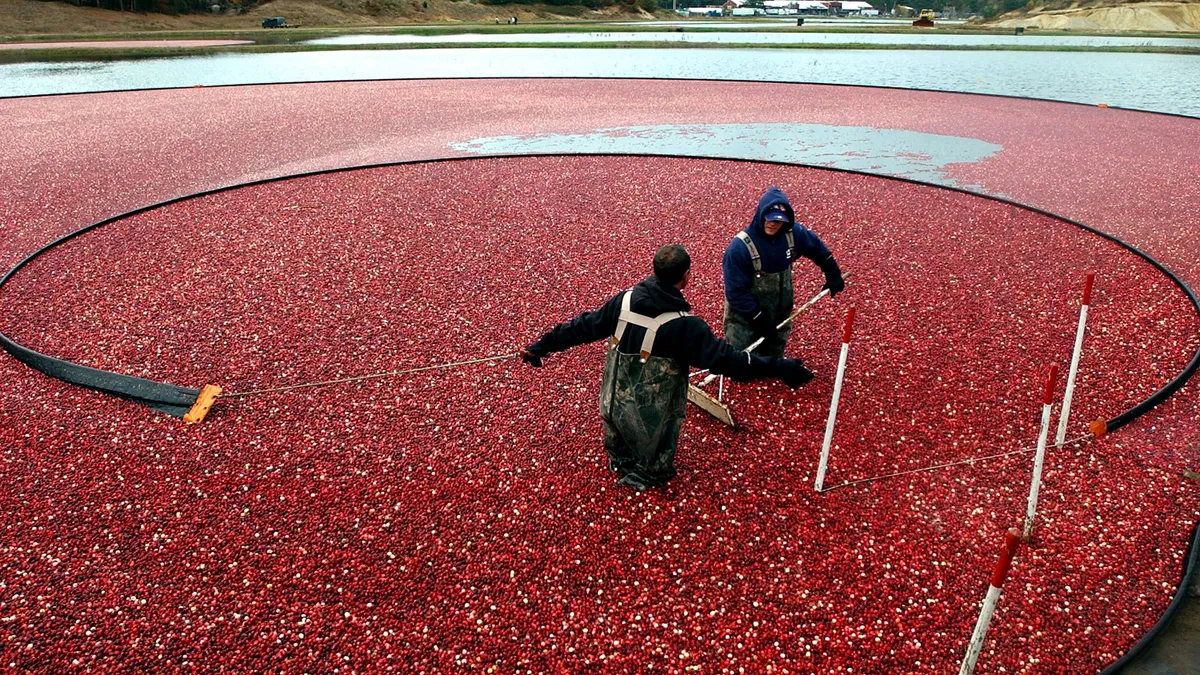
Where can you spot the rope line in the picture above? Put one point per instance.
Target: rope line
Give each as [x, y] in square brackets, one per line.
[972, 460]
[372, 376]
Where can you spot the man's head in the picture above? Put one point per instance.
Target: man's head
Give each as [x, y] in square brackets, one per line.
[673, 265]
[775, 219]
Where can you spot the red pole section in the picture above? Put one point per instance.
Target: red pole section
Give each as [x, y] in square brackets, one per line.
[1012, 539]
[849, 327]
[1050, 380]
[1087, 289]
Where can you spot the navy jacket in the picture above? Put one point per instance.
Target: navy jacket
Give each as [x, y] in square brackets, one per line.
[688, 339]
[737, 267]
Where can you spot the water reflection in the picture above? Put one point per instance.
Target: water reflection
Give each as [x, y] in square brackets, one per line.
[1164, 82]
[779, 38]
[896, 152]
[82, 68]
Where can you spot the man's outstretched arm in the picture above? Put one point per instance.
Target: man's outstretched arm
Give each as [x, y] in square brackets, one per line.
[584, 328]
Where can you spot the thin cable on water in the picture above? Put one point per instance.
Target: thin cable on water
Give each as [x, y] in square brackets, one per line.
[1072, 441]
[372, 376]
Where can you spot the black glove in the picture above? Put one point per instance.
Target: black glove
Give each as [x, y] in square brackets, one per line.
[833, 276]
[792, 372]
[531, 358]
[760, 323]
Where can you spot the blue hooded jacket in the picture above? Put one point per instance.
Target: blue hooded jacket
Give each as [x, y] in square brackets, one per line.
[737, 266]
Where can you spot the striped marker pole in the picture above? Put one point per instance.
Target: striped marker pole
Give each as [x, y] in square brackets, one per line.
[1047, 400]
[1011, 540]
[837, 394]
[1066, 406]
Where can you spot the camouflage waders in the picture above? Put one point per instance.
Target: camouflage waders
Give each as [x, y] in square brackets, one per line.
[643, 399]
[775, 297]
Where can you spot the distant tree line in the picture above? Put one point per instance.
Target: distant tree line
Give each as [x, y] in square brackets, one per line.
[987, 8]
[648, 5]
[167, 6]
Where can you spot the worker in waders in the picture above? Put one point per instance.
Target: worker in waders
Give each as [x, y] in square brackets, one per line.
[758, 274]
[652, 342]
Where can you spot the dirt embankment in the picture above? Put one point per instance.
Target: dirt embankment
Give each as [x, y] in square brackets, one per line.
[1108, 15]
[31, 17]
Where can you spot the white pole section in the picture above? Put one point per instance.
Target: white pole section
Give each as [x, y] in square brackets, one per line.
[1041, 452]
[833, 406]
[1065, 413]
[1012, 539]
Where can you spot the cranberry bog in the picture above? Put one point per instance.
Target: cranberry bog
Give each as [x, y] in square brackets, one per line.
[462, 519]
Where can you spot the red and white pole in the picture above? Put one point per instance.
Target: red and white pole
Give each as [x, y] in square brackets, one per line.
[1012, 539]
[1047, 400]
[1066, 406]
[837, 395]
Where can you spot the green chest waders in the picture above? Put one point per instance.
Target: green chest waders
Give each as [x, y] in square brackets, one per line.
[774, 295]
[642, 402]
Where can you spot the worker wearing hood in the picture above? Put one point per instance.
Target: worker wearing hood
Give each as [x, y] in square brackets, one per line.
[652, 340]
[758, 274]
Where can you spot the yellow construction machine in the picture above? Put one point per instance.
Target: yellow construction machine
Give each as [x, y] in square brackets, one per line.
[925, 19]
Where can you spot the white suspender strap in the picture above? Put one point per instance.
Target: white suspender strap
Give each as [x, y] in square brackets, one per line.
[754, 257]
[651, 325]
[621, 318]
[652, 331]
